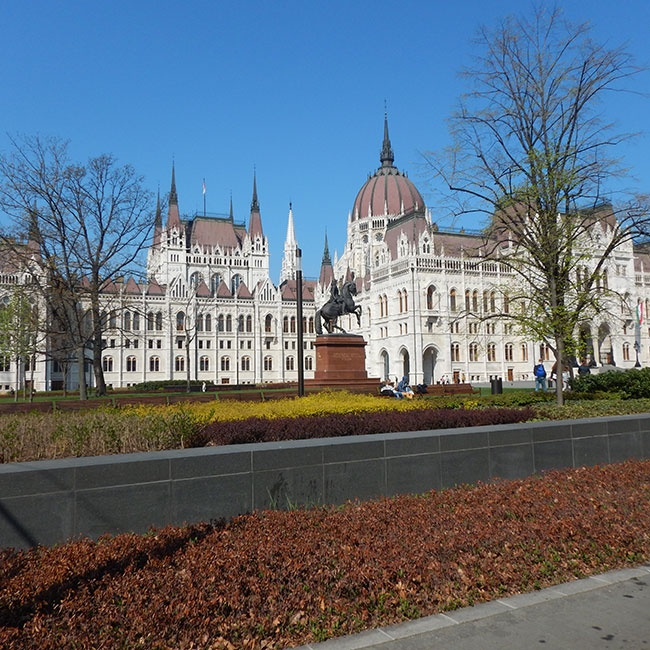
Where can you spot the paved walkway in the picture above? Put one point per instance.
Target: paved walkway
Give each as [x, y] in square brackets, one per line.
[609, 611]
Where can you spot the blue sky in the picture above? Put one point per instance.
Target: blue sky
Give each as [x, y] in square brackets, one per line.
[294, 89]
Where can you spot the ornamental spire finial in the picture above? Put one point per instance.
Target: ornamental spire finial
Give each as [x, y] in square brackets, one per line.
[387, 157]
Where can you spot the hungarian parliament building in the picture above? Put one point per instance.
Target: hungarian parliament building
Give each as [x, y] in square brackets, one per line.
[426, 302]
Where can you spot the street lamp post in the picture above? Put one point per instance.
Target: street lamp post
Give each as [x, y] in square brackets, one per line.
[301, 362]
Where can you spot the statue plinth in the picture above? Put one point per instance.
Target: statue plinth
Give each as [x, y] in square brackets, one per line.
[341, 363]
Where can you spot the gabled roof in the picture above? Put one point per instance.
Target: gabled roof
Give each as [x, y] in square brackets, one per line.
[288, 290]
[216, 232]
[202, 291]
[223, 291]
[154, 289]
[132, 288]
[243, 292]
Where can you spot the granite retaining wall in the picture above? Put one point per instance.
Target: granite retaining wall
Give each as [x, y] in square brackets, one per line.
[48, 502]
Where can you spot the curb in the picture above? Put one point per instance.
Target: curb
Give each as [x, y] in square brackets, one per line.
[427, 624]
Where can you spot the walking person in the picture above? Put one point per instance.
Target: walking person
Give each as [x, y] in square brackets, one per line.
[540, 376]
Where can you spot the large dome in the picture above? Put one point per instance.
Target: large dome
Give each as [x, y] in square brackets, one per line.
[388, 191]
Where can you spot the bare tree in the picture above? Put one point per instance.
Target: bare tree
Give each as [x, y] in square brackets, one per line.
[531, 152]
[93, 220]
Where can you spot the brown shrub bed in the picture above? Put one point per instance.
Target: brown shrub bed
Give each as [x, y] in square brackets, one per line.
[231, 432]
[275, 579]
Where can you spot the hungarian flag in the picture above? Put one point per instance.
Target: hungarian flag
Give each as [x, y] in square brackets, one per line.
[639, 313]
[204, 187]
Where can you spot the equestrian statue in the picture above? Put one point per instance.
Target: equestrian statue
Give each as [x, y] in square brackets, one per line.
[337, 305]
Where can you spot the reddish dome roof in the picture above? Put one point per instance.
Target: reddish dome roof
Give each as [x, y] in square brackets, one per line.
[387, 191]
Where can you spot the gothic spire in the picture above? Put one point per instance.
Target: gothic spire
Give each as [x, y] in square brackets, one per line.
[34, 232]
[158, 220]
[255, 221]
[173, 197]
[173, 215]
[231, 212]
[326, 253]
[255, 206]
[387, 157]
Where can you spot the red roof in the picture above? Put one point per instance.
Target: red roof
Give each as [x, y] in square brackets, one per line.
[243, 292]
[223, 291]
[202, 290]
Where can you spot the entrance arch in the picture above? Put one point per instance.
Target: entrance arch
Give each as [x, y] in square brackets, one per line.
[406, 362]
[384, 360]
[429, 359]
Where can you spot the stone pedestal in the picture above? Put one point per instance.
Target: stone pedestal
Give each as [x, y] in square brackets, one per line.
[341, 363]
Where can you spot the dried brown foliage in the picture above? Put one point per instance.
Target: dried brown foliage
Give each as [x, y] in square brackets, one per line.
[275, 579]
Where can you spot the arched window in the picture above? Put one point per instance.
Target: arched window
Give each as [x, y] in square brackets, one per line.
[228, 323]
[289, 363]
[626, 351]
[268, 363]
[130, 364]
[154, 364]
[199, 323]
[268, 324]
[159, 321]
[240, 323]
[473, 351]
[180, 321]
[204, 364]
[220, 323]
[452, 300]
[285, 325]
[309, 363]
[195, 278]
[508, 352]
[179, 364]
[381, 306]
[311, 324]
[491, 352]
[385, 305]
[506, 303]
[208, 323]
[150, 320]
[475, 301]
[108, 364]
[524, 352]
[430, 292]
[544, 352]
[401, 305]
[304, 324]
[112, 320]
[225, 364]
[245, 363]
[215, 281]
[455, 351]
[485, 301]
[127, 320]
[293, 324]
[467, 300]
[136, 321]
[493, 302]
[235, 282]
[406, 300]
[249, 323]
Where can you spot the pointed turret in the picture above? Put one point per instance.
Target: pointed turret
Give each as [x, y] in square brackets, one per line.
[173, 215]
[255, 222]
[386, 157]
[289, 265]
[326, 270]
[231, 215]
[34, 239]
[157, 224]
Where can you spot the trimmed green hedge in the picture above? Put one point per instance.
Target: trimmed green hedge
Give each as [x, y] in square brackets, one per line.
[630, 384]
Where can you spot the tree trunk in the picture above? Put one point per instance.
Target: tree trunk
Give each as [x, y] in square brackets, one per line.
[31, 379]
[81, 368]
[98, 370]
[560, 369]
[187, 362]
[65, 379]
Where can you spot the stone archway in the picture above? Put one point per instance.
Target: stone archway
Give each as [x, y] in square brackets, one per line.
[605, 345]
[429, 359]
[406, 362]
[384, 361]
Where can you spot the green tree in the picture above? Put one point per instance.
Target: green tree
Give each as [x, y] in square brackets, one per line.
[531, 151]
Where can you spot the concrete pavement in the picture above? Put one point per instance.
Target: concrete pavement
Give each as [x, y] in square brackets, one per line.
[608, 611]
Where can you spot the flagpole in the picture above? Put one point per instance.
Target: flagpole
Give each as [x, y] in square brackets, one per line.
[204, 213]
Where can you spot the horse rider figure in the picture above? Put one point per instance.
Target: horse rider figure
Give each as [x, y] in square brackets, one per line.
[339, 303]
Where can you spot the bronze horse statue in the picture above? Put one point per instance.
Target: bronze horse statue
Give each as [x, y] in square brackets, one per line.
[337, 305]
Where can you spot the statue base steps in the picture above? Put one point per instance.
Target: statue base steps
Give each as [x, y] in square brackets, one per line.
[341, 363]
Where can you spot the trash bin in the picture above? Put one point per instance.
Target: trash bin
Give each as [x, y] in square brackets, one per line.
[496, 385]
